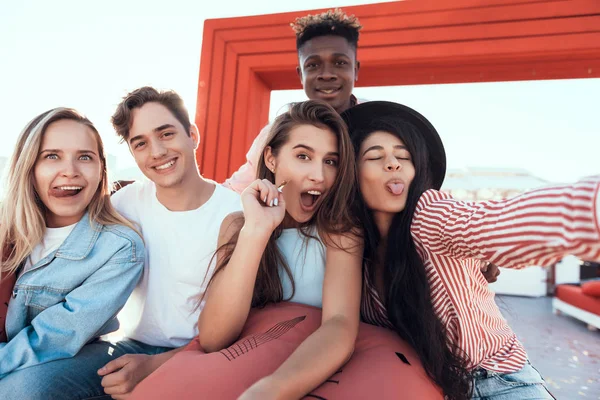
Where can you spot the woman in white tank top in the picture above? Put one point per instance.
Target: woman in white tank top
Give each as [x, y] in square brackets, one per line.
[283, 248]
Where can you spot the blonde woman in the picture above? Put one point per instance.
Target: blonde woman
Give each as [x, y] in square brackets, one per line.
[72, 258]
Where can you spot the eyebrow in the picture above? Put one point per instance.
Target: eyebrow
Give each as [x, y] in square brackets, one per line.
[378, 147]
[317, 55]
[163, 127]
[155, 130]
[303, 146]
[61, 151]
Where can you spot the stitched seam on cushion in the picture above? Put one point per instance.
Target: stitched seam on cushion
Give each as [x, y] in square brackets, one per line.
[274, 332]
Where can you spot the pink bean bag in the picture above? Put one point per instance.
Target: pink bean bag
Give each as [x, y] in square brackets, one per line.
[382, 366]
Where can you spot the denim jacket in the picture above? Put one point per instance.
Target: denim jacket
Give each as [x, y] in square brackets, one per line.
[72, 296]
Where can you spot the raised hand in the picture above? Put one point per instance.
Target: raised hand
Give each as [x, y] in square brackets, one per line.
[264, 207]
[490, 272]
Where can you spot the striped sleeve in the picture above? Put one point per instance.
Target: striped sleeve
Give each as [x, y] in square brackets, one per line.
[536, 228]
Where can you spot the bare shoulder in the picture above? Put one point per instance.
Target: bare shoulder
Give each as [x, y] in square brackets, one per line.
[351, 241]
[231, 225]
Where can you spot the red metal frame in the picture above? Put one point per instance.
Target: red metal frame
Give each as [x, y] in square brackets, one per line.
[402, 43]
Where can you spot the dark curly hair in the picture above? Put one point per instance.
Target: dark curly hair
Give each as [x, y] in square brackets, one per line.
[332, 22]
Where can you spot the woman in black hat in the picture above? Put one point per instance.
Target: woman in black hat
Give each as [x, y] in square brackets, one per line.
[422, 253]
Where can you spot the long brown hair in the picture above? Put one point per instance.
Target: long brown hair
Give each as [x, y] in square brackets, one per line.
[22, 215]
[333, 216]
[407, 293]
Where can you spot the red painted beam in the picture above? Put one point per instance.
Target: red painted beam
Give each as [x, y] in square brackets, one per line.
[402, 43]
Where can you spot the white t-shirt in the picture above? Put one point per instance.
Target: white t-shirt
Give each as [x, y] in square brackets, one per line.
[162, 311]
[53, 238]
[306, 259]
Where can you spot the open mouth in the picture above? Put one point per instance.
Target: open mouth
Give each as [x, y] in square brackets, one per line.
[310, 199]
[65, 191]
[166, 166]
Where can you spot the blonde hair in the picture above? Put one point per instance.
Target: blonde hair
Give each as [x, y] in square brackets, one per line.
[22, 221]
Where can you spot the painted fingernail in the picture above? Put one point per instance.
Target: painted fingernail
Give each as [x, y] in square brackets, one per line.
[276, 202]
[271, 203]
[265, 200]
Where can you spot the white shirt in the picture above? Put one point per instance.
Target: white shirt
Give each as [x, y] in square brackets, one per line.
[162, 311]
[53, 238]
[306, 259]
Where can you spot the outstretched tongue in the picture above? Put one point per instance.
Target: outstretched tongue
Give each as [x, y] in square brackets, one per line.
[63, 193]
[307, 199]
[396, 188]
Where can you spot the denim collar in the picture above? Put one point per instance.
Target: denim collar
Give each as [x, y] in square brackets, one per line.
[80, 242]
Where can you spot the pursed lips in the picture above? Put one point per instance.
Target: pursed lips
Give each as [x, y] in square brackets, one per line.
[395, 186]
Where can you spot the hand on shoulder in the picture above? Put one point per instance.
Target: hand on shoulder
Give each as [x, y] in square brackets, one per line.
[118, 185]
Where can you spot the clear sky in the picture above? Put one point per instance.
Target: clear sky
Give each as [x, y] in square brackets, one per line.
[88, 54]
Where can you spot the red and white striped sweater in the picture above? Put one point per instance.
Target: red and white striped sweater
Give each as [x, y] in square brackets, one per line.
[536, 228]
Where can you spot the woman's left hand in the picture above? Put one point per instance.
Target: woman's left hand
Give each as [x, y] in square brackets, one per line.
[490, 272]
[265, 389]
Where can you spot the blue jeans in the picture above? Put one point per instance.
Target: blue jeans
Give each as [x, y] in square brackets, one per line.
[526, 384]
[73, 378]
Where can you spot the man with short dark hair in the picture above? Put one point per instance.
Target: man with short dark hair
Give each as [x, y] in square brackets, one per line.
[327, 67]
[180, 214]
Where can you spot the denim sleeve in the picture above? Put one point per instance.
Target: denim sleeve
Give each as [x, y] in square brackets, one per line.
[61, 330]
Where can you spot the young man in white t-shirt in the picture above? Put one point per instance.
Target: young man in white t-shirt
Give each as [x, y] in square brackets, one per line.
[179, 213]
[327, 68]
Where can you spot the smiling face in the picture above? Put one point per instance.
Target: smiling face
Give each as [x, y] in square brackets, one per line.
[385, 172]
[328, 70]
[308, 162]
[67, 172]
[162, 149]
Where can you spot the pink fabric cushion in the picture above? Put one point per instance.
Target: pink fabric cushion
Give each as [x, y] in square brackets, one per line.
[382, 367]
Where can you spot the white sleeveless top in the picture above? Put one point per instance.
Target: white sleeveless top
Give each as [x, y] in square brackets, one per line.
[306, 259]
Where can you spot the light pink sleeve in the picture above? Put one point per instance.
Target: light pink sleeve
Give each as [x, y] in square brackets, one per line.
[536, 228]
[247, 172]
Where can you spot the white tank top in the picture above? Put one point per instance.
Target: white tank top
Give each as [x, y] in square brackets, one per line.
[306, 259]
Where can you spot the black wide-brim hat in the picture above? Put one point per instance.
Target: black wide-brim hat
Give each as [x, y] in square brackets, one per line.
[365, 116]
